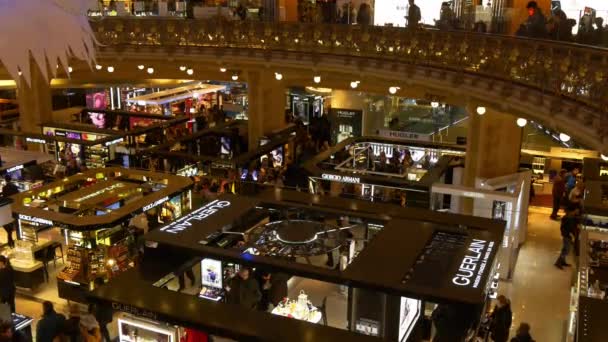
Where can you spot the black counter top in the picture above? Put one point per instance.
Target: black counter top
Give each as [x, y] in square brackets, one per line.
[592, 320]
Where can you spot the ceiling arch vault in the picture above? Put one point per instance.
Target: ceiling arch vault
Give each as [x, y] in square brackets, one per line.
[561, 86]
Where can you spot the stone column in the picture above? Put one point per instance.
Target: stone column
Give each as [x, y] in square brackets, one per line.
[35, 103]
[266, 98]
[493, 148]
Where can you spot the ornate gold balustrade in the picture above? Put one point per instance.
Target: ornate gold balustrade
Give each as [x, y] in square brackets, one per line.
[563, 72]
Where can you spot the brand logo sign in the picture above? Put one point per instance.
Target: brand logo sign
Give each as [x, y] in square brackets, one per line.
[472, 266]
[35, 140]
[404, 135]
[114, 142]
[134, 311]
[199, 214]
[342, 179]
[156, 203]
[35, 219]
[14, 168]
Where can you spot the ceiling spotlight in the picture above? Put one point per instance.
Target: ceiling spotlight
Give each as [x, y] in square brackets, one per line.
[564, 137]
[183, 68]
[278, 76]
[317, 79]
[521, 122]
[141, 67]
[235, 77]
[98, 67]
[481, 110]
[70, 69]
[150, 70]
[393, 90]
[110, 69]
[189, 71]
[604, 157]
[434, 104]
[354, 84]
[19, 73]
[222, 69]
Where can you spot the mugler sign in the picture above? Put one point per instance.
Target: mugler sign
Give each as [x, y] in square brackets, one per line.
[199, 214]
[473, 264]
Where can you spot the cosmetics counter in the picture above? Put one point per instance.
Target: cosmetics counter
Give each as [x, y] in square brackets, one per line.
[297, 238]
[383, 170]
[94, 213]
[220, 153]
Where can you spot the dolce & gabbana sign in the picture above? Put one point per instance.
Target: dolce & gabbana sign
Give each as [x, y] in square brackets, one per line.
[199, 214]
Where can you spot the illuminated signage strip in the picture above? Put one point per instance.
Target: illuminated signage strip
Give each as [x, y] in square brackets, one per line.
[199, 214]
[403, 135]
[99, 192]
[156, 203]
[35, 140]
[35, 219]
[114, 142]
[473, 265]
[342, 179]
[14, 168]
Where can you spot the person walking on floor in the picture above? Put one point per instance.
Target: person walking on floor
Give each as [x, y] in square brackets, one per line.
[7, 283]
[559, 190]
[502, 318]
[523, 334]
[50, 325]
[568, 229]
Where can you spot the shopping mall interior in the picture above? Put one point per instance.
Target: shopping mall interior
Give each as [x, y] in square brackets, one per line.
[363, 170]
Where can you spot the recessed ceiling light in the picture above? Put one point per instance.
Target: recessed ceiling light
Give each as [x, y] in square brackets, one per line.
[110, 69]
[564, 137]
[354, 84]
[183, 68]
[521, 122]
[481, 110]
[235, 77]
[141, 67]
[150, 71]
[70, 69]
[98, 67]
[278, 76]
[190, 71]
[222, 69]
[317, 79]
[393, 90]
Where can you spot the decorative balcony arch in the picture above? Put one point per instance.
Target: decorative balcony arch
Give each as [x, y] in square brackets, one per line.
[562, 85]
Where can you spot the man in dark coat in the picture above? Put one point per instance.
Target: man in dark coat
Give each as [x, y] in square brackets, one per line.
[568, 229]
[50, 325]
[559, 189]
[502, 317]
[244, 290]
[7, 283]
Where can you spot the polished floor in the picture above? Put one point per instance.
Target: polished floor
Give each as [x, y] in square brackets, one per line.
[539, 292]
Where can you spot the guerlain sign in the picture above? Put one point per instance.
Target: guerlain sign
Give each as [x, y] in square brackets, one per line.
[473, 264]
[199, 214]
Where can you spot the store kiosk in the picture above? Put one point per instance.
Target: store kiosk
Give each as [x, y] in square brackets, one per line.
[503, 198]
[383, 170]
[444, 262]
[589, 300]
[94, 212]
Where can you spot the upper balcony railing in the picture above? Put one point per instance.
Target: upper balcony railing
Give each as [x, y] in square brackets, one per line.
[563, 70]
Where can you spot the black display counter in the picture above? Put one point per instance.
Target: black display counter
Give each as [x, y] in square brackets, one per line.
[23, 324]
[592, 316]
[430, 163]
[31, 278]
[446, 260]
